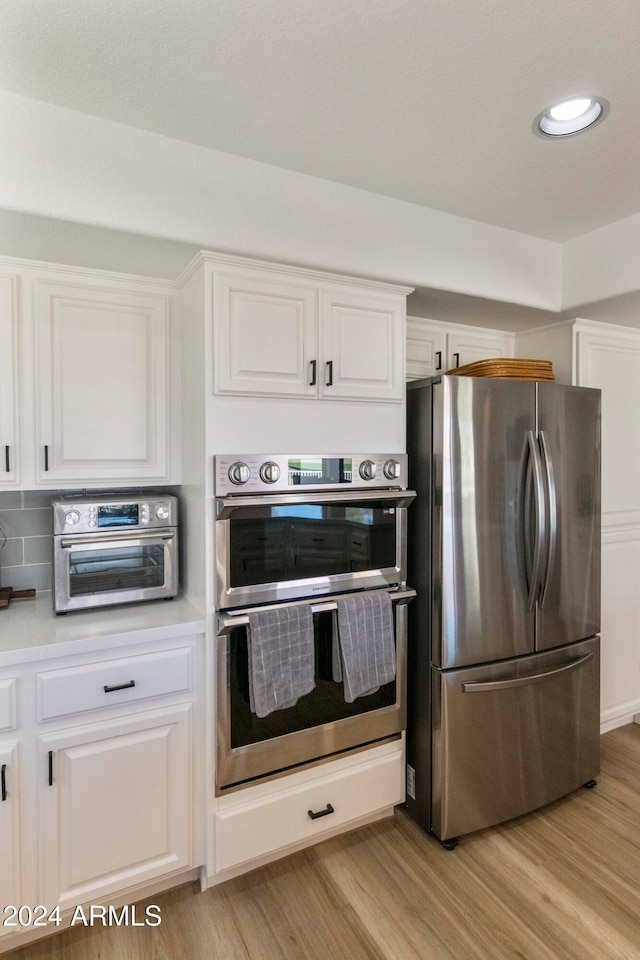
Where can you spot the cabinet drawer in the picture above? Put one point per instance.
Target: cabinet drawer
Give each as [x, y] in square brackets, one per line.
[264, 824]
[7, 704]
[91, 686]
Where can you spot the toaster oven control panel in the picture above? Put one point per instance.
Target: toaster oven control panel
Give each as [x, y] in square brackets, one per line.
[117, 514]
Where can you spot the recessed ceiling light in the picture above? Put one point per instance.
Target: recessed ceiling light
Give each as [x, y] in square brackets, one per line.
[571, 116]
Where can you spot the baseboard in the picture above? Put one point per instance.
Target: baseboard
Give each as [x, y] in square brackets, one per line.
[619, 715]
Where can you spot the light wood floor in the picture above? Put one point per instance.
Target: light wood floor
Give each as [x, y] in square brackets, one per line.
[560, 884]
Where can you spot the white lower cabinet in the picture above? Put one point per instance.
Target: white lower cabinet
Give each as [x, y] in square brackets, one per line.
[115, 809]
[268, 819]
[10, 849]
[100, 761]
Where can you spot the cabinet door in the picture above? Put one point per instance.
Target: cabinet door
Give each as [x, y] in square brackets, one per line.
[362, 347]
[8, 380]
[115, 804]
[102, 383]
[426, 346]
[469, 346]
[265, 337]
[10, 892]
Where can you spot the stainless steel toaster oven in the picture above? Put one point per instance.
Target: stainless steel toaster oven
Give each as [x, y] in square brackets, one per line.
[115, 550]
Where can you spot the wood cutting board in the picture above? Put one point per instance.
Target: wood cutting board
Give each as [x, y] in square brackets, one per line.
[8, 593]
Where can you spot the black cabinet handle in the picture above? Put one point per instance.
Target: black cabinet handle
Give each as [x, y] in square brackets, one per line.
[312, 382]
[329, 382]
[46, 457]
[456, 357]
[321, 813]
[50, 768]
[3, 782]
[119, 686]
[7, 461]
[439, 360]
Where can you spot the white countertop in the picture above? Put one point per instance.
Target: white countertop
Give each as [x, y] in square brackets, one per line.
[30, 630]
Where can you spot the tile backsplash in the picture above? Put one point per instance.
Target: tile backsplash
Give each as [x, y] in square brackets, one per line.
[25, 521]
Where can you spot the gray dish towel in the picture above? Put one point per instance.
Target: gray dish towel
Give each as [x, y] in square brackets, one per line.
[281, 657]
[364, 648]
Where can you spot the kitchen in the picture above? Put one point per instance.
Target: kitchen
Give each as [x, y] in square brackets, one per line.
[465, 258]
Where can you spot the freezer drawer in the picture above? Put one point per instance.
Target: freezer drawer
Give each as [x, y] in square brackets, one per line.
[513, 736]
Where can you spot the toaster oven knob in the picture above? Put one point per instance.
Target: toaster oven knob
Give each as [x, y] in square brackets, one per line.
[392, 469]
[368, 470]
[162, 511]
[269, 472]
[72, 517]
[239, 473]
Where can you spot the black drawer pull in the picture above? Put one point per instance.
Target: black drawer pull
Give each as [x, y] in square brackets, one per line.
[46, 456]
[7, 459]
[439, 360]
[456, 357]
[119, 686]
[321, 813]
[3, 781]
[50, 768]
[312, 382]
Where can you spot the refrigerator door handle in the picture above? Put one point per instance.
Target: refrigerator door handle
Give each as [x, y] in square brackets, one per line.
[553, 516]
[535, 461]
[482, 686]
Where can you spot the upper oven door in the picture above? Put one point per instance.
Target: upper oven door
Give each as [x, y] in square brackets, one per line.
[284, 547]
[96, 570]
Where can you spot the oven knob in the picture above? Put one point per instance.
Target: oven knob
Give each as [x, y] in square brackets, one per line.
[72, 517]
[368, 470]
[269, 472]
[392, 469]
[239, 473]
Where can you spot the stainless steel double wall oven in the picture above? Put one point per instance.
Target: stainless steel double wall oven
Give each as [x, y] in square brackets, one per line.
[305, 530]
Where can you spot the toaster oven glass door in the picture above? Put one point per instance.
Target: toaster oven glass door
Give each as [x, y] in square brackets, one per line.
[98, 570]
[116, 568]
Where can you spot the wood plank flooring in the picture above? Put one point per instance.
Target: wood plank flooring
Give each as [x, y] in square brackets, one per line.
[560, 884]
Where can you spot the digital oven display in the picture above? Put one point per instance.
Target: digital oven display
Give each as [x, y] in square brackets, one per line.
[118, 515]
[325, 470]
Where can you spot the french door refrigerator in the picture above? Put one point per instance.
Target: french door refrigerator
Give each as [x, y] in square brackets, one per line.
[504, 552]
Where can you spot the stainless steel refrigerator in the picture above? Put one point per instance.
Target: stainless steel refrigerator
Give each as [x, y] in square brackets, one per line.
[504, 552]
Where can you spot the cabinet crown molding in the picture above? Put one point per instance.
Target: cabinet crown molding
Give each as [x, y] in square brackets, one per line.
[231, 261]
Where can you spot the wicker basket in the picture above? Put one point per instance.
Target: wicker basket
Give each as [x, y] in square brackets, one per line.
[507, 369]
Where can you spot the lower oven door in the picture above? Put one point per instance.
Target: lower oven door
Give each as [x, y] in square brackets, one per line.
[320, 725]
[93, 571]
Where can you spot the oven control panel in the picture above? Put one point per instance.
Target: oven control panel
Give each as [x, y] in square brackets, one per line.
[115, 514]
[280, 473]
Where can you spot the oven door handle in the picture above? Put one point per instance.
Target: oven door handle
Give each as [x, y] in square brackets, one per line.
[226, 505]
[227, 622]
[82, 540]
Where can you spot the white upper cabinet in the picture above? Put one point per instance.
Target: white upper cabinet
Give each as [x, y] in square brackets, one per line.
[8, 379]
[361, 351]
[265, 336]
[434, 347]
[298, 335]
[101, 383]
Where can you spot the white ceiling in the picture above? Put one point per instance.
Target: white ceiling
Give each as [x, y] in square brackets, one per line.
[427, 101]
